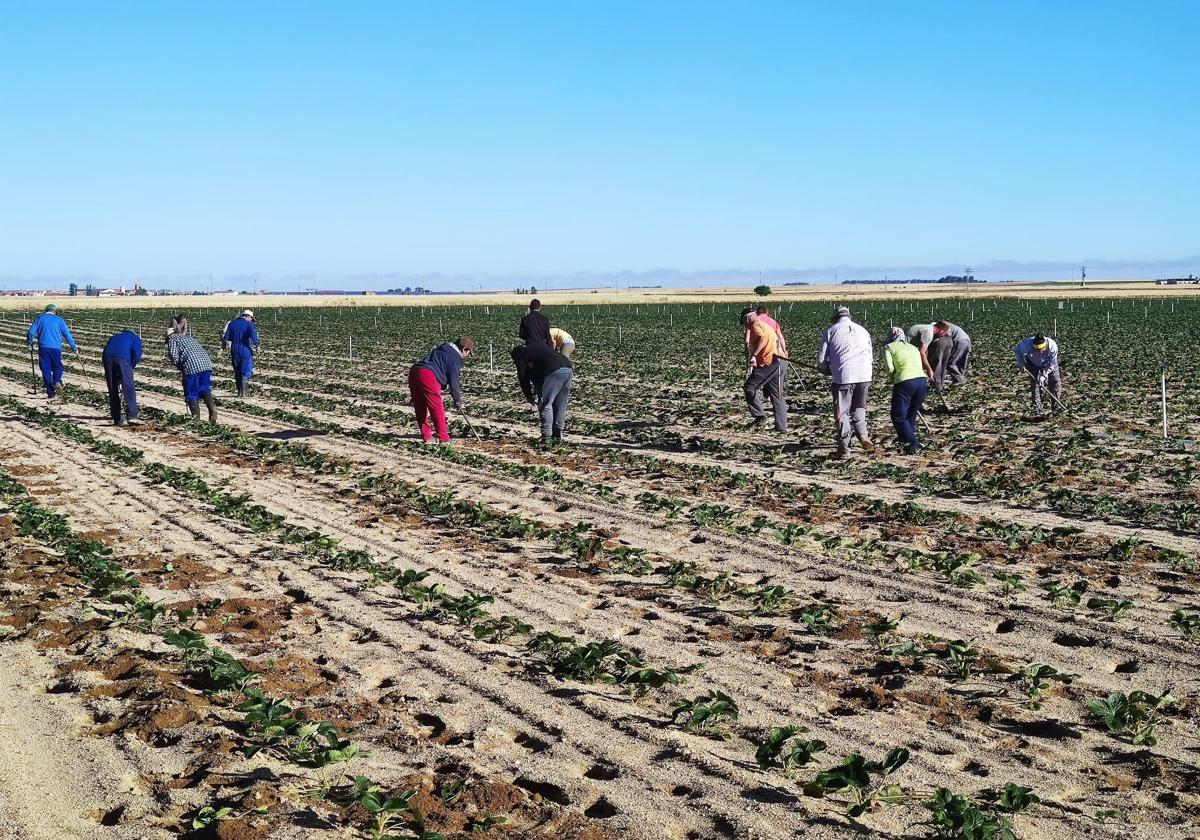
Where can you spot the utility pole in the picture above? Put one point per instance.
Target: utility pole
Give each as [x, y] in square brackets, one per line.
[1082, 275]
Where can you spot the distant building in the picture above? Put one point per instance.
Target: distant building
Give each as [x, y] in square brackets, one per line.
[1179, 281]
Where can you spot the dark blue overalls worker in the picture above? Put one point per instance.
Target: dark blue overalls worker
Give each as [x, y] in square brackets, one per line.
[49, 330]
[243, 341]
[121, 355]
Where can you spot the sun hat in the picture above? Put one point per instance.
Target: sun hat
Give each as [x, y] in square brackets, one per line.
[247, 313]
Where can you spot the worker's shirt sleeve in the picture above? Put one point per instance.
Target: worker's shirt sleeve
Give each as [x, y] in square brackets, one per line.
[136, 351]
[66, 333]
[888, 362]
[173, 353]
[454, 381]
[823, 350]
[523, 378]
[1051, 358]
[254, 336]
[1021, 354]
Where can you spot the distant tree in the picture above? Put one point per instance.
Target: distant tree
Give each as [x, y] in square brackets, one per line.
[762, 291]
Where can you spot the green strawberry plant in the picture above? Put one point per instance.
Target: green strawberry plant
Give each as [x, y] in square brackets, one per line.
[1036, 680]
[1134, 715]
[953, 816]
[708, 714]
[1109, 608]
[781, 750]
[864, 780]
[1187, 623]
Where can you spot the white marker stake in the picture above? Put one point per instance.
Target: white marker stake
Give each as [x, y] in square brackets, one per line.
[709, 367]
[1164, 402]
[352, 348]
[491, 356]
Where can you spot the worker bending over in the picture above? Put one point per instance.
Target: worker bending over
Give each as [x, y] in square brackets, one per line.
[442, 368]
[909, 387]
[545, 378]
[763, 371]
[1038, 357]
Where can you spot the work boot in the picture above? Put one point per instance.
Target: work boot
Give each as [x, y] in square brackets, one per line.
[212, 408]
[867, 446]
[194, 408]
[756, 423]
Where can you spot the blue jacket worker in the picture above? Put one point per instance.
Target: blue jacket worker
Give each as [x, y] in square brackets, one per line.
[49, 330]
[121, 355]
[546, 373]
[243, 341]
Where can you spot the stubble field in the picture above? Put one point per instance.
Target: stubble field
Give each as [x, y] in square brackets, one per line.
[304, 623]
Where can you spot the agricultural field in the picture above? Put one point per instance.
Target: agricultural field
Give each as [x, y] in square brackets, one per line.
[302, 622]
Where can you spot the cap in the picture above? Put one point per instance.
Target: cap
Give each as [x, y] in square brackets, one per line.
[50, 307]
[246, 313]
[749, 310]
[465, 343]
[841, 312]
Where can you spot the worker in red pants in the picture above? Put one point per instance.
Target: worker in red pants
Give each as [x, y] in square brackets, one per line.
[440, 370]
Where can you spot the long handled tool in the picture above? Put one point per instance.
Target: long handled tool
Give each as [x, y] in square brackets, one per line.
[467, 420]
[1042, 388]
[33, 370]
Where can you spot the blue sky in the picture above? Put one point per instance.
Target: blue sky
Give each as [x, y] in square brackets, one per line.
[315, 143]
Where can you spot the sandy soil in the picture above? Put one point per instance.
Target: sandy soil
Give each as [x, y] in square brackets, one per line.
[597, 753]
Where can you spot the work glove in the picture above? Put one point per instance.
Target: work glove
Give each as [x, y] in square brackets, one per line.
[458, 406]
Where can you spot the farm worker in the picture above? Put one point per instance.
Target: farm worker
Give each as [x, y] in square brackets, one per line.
[545, 374]
[243, 341]
[442, 368]
[763, 372]
[563, 342]
[49, 330]
[960, 350]
[845, 354]
[909, 387]
[935, 351]
[121, 355]
[535, 327]
[193, 362]
[1038, 357]
[181, 326]
[764, 315]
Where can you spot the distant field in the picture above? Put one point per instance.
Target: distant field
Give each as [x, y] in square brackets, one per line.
[601, 296]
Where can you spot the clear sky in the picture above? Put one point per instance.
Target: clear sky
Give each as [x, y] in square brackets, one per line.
[484, 141]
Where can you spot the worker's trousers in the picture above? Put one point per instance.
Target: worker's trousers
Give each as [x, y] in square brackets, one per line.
[1053, 384]
[907, 398]
[50, 362]
[956, 364]
[767, 380]
[118, 375]
[553, 399]
[940, 351]
[850, 413]
[426, 393]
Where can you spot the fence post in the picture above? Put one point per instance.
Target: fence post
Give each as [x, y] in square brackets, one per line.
[1164, 401]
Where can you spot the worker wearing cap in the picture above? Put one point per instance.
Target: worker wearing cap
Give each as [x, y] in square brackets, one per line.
[1038, 357]
[909, 386]
[762, 374]
[243, 341]
[442, 368]
[49, 331]
[121, 355]
[845, 354]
